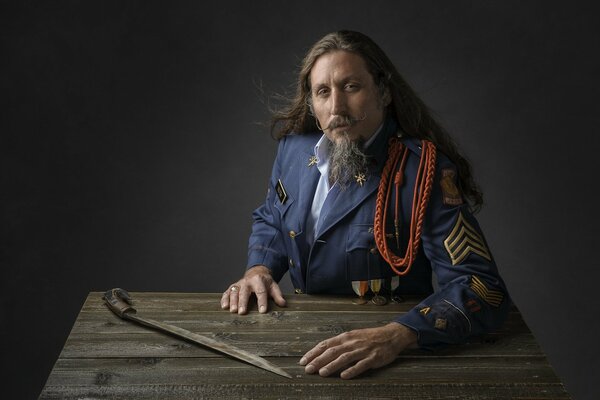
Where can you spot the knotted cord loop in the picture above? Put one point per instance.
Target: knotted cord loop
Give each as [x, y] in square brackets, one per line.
[397, 153]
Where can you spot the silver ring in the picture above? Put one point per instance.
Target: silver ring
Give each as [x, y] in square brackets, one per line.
[261, 292]
[234, 288]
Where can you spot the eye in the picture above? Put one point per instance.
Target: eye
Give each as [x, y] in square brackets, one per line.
[322, 92]
[351, 87]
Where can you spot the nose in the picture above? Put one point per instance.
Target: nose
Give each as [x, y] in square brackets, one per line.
[338, 102]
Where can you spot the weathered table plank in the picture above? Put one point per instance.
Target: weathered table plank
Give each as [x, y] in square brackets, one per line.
[106, 357]
[282, 320]
[430, 374]
[267, 344]
[180, 302]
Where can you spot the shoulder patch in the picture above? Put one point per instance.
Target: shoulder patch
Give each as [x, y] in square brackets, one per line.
[450, 193]
[464, 240]
[281, 193]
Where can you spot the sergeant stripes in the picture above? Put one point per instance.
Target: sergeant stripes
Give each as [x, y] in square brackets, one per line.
[464, 240]
[492, 297]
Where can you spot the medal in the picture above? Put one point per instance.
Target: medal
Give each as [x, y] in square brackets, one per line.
[376, 287]
[360, 288]
[395, 282]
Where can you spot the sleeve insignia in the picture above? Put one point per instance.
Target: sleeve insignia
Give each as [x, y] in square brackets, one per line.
[425, 310]
[464, 240]
[492, 297]
[281, 193]
[441, 324]
[450, 192]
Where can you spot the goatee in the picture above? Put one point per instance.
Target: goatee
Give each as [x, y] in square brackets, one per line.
[346, 160]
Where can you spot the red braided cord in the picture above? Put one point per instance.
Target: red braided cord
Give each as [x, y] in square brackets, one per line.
[421, 195]
[383, 194]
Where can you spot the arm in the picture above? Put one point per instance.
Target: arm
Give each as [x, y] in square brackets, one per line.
[472, 298]
[267, 261]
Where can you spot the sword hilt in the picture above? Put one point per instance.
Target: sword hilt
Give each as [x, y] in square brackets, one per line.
[119, 302]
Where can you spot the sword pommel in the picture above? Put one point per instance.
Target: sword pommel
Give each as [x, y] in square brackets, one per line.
[119, 302]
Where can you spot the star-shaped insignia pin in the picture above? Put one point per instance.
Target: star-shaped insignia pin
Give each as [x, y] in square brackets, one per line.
[312, 161]
[360, 179]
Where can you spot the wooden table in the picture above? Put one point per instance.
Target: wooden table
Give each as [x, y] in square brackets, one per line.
[106, 357]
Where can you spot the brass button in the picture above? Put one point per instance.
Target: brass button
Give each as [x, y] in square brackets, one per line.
[298, 291]
[373, 250]
[292, 234]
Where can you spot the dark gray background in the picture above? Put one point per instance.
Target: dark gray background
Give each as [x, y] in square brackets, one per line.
[132, 150]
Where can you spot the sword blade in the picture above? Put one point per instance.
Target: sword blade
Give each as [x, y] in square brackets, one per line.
[210, 342]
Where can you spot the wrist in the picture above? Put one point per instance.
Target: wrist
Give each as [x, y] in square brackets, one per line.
[257, 270]
[403, 336]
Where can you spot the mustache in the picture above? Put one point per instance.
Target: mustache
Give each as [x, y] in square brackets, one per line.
[344, 120]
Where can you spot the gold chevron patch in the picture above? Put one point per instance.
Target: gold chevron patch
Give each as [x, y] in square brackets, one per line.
[464, 240]
[492, 297]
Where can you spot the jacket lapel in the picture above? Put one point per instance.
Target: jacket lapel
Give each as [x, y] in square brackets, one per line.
[347, 200]
[309, 177]
[353, 195]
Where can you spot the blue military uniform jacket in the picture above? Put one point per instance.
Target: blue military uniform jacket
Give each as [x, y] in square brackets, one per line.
[471, 298]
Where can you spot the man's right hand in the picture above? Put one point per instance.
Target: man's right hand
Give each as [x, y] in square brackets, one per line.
[257, 280]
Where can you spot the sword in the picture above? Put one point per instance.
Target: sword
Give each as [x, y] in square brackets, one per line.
[119, 302]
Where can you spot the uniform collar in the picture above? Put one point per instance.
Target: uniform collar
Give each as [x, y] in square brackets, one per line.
[378, 148]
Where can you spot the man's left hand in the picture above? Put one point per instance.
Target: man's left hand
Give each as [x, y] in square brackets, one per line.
[358, 351]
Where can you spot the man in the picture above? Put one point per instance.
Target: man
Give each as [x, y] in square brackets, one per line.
[366, 185]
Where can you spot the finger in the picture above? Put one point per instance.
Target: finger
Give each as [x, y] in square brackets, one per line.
[233, 300]
[225, 300]
[276, 294]
[323, 346]
[262, 297]
[243, 298]
[346, 358]
[313, 353]
[323, 363]
[332, 360]
[357, 369]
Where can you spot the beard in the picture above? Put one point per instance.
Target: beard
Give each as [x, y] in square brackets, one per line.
[346, 160]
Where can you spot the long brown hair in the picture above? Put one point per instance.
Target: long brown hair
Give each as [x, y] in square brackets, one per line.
[406, 107]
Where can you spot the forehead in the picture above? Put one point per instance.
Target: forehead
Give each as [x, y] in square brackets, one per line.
[338, 65]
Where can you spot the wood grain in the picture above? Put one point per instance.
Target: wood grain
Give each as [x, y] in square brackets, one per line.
[106, 357]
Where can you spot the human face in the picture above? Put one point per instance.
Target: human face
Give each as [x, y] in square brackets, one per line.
[341, 86]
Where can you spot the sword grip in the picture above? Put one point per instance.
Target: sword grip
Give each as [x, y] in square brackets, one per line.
[119, 302]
